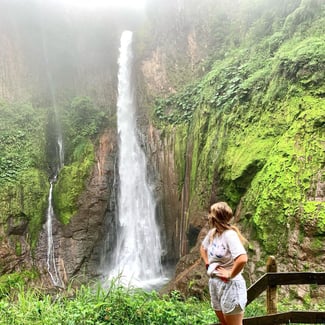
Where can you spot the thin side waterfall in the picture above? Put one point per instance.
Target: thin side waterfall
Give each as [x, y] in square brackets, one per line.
[51, 258]
[51, 263]
[137, 257]
[59, 162]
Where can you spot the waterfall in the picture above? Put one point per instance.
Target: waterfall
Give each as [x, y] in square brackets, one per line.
[51, 261]
[137, 257]
[59, 162]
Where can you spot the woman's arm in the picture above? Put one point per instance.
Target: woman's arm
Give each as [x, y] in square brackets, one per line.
[204, 255]
[239, 264]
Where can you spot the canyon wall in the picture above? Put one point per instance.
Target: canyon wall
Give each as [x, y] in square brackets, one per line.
[244, 124]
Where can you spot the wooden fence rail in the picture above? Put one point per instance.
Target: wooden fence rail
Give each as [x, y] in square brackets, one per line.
[291, 317]
[275, 279]
[269, 282]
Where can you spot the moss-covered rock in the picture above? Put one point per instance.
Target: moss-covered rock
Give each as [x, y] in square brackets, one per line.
[23, 179]
[283, 193]
[72, 181]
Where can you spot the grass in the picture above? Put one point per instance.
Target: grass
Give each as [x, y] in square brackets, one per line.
[116, 305]
[94, 305]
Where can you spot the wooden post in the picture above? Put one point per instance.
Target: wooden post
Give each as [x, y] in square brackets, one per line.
[271, 292]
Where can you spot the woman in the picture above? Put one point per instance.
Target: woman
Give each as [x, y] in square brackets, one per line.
[225, 257]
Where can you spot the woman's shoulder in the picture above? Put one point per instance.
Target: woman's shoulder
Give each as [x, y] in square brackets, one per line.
[230, 233]
[207, 235]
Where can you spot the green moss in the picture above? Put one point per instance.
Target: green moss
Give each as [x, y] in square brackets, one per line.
[24, 183]
[317, 245]
[283, 193]
[18, 249]
[303, 62]
[72, 181]
[36, 189]
[207, 158]
[81, 124]
[314, 214]
[27, 198]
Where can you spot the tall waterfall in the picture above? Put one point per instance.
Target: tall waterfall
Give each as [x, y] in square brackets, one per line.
[137, 257]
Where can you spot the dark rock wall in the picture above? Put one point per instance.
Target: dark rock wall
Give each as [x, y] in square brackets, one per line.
[79, 244]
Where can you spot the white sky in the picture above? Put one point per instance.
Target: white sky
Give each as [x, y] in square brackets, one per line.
[95, 4]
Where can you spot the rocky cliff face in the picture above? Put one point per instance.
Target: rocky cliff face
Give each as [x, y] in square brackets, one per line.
[78, 245]
[170, 153]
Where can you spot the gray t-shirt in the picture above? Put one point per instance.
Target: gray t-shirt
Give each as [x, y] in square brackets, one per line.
[224, 248]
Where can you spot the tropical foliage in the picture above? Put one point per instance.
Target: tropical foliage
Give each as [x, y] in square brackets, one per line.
[255, 124]
[27, 161]
[114, 305]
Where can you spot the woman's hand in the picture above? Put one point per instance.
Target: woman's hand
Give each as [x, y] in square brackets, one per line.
[239, 264]
[223, 273]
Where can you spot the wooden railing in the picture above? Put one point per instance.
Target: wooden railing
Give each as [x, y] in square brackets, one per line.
[291, 317]
[269, 282]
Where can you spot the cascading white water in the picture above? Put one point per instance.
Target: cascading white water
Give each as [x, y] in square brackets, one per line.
[51, 263]
[51, 259]
[137, 258]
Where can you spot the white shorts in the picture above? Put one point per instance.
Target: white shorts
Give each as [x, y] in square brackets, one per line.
[229, 297]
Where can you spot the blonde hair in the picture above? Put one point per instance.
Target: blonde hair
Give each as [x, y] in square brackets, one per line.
[220, 215]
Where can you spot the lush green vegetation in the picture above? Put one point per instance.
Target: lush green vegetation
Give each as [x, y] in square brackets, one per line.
[179, 108]
[93, 305]
[23, 179]
[255, 125]
[82, 121]
[115, 305]
[27, 135]
[14, 282]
